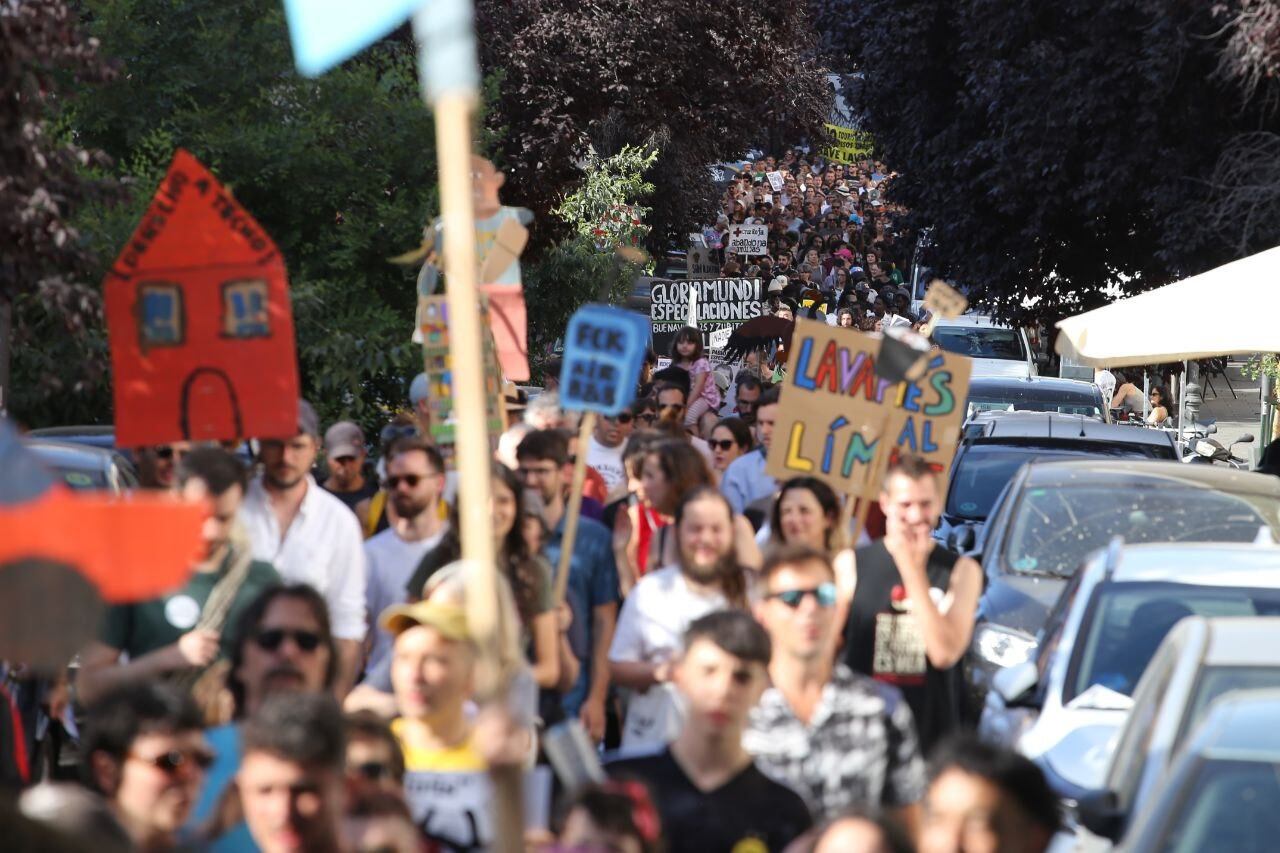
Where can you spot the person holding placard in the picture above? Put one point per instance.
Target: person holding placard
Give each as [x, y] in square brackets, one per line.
[913, 608]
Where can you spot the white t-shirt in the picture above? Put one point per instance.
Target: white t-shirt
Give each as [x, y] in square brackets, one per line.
[392, 561]
[651, 626]
[608, 461]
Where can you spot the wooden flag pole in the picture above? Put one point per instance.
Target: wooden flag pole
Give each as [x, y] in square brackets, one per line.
[574, 509]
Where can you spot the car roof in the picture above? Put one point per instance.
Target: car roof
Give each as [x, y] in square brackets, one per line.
[1243, 641]
[972, 320]
[1241, 726]
[1043, 384]
[1145, 473]
[1218, 564]
[67, 454]
[1015, 425]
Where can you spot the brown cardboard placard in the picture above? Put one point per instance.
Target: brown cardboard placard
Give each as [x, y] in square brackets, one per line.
[834, 409]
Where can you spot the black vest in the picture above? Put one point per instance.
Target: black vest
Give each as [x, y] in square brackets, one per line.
[882, 640]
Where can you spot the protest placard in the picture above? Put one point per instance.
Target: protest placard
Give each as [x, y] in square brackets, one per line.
[775, 180]
[848, 145]
[835, 410]
[723, 303]
[749, 239]
[199, 320]
[604, 348]
[454, 809]
[701, 261]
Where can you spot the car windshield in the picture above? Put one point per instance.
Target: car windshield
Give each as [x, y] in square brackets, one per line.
[1226, 805]
[981, 342]
[1053, 529]
[1127, 622]
[1220, 680]
[983, 470]
[1012, 401]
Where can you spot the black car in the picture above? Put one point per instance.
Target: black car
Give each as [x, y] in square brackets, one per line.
[1035, 394]
[995, 444]
[1053, 514]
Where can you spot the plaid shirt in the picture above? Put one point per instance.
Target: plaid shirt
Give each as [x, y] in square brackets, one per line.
[859, 748]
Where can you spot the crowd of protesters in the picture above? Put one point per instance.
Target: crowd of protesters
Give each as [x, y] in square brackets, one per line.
[750, 676]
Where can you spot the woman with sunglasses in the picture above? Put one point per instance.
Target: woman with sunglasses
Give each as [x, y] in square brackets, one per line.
[672, 469]
[1159, 416]
[730, 438]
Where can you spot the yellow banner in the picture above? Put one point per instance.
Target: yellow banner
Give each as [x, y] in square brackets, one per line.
[849, 145]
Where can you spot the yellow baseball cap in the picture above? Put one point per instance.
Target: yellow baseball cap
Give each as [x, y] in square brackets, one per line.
[448, 619]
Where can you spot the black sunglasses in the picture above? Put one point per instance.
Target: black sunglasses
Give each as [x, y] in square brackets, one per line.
[721, 445]
[411, 480]
[621, 417]
[372, 770]
[823, 593]
[646, 417]
[273, 638]
[170, 761]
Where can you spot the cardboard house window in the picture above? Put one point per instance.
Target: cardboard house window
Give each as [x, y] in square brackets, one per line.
[244, 309]
[162, 323]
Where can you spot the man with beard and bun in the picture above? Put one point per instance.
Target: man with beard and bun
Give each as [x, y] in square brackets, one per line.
[661, 607]
[415, 481]
[310, 536]
[282, 644]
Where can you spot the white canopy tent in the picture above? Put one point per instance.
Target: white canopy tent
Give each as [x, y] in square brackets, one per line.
[1226, 311]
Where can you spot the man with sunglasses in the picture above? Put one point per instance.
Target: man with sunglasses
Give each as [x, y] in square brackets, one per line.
[839, 738]
[158, 465]
[310, 536]
[604, 451]
[145, 753]
[415, 483]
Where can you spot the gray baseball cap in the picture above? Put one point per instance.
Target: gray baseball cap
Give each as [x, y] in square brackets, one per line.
[343, 439]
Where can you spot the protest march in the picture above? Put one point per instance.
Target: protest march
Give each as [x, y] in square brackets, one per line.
[774, 539]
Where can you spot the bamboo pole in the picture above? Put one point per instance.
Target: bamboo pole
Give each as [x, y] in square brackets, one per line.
[574, 510]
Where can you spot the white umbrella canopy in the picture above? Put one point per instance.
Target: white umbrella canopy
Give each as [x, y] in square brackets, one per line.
[1232, 309]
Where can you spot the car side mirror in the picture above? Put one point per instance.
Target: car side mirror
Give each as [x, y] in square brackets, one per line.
[1100, 813]
[1016, 684]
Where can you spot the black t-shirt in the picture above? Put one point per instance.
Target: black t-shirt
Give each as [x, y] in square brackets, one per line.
[368, 490]
[749, 807]
[882, 640]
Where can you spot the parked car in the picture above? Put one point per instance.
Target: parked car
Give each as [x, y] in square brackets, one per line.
[81, 466]
[1053, 514]
[996, 350]
[1200, 661]
[1035, 394]
[92, 435]
[1223, 790]
[996, 444]
[1064, 707]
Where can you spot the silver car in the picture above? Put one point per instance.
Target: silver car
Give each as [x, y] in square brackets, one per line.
[1223, 790]
[1064, 707]
[1200, 661]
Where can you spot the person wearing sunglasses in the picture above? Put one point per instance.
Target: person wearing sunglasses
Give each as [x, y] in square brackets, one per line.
[144, 752]
[837, 737]
[730, 438]
[604, 450]
[281, 643]
[345, 454]
[415, 483]
[158, 465]
[374, 760]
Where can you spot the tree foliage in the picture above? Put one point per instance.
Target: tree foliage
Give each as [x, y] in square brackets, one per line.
[44, 260]
[606, 207]
[340, 171]
[703, 79]
[1059, 149]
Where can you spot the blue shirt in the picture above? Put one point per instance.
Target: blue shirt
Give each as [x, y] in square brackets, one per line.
[745, 481]
[225, 742]
[593, 582]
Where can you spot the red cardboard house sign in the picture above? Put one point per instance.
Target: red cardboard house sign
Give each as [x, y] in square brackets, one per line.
[199, 320]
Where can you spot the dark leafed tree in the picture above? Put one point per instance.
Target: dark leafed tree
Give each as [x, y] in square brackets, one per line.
[43, 260]
[1060, 148]
[703, 79]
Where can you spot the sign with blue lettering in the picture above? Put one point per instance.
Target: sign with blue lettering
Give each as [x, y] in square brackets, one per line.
[604, 349]
[327, 32]
[835, 409]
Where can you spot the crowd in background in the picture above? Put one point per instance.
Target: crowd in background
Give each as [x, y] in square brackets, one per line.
[747, 671]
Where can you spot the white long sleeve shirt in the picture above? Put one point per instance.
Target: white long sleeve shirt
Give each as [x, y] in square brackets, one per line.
[323, 547]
